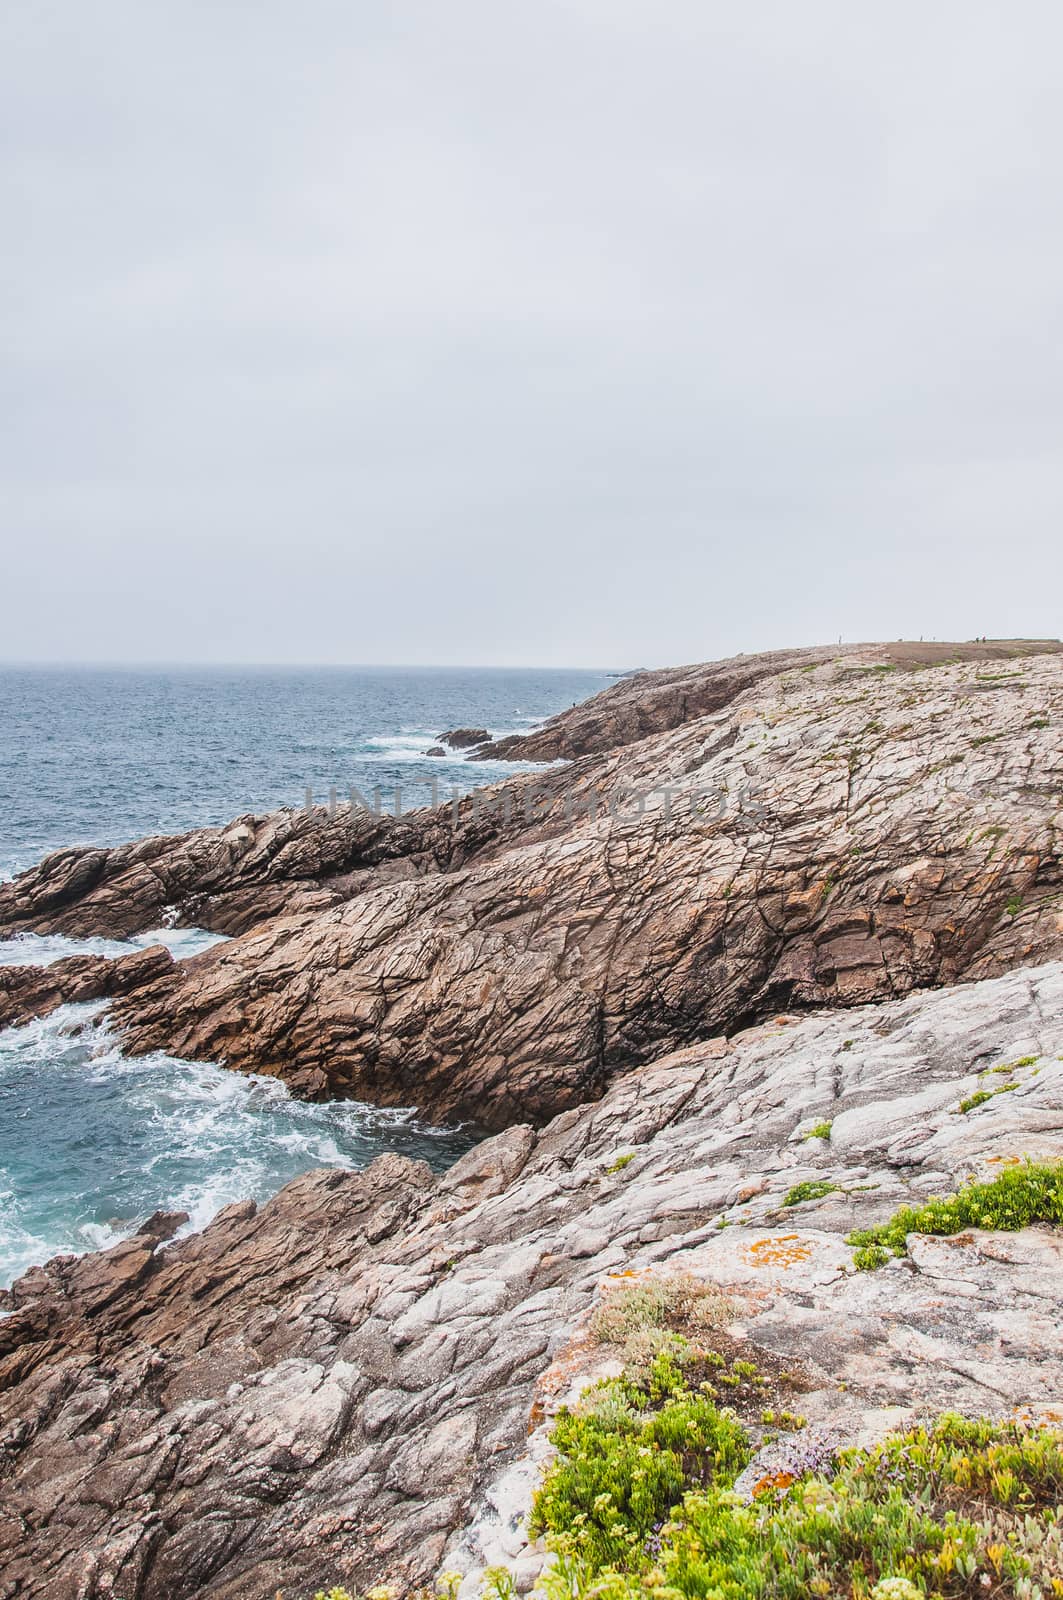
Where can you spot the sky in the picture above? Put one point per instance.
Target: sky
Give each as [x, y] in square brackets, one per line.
[572, 332]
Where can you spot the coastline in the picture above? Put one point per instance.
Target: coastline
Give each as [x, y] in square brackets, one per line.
[656, 1006]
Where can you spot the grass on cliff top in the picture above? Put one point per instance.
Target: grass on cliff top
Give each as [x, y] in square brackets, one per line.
[1020, 1197]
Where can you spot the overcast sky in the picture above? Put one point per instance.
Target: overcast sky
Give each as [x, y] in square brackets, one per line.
[574, 332]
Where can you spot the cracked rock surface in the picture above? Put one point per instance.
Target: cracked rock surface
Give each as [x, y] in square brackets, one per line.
[836, 835]
[353, 1383]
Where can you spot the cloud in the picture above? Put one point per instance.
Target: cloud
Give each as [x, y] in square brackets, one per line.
[576, 333]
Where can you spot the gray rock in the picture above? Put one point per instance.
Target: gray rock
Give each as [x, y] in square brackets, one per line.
[299, 1396]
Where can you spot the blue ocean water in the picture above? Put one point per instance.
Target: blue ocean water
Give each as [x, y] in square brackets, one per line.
[92, 1143]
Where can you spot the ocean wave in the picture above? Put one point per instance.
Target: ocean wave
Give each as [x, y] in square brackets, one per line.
[41, 949]
[407, 748]
[103, 1140]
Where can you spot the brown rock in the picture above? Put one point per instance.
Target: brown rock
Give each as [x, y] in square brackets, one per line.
[232, 879]
[27, 992]
[828, 838]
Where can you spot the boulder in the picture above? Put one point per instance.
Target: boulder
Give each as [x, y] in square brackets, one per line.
[465, 738]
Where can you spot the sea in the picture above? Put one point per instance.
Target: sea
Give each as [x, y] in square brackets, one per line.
[91, 1143]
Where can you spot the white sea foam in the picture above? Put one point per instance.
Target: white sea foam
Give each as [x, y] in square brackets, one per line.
[105, 1139]
[405, 748]
[41, 949]
[181, 942]
[411, 746]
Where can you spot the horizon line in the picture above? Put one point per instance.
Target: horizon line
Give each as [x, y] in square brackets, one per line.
[318, 666]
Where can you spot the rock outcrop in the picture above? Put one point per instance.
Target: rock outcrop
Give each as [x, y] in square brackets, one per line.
[834, 836]
[465, 738]
[231, 879]
[27, 992]
[226, 879]
[643, 703]
[353, 1383]
[845, 828]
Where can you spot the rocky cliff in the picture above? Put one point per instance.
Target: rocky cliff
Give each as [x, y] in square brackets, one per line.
[691, 975]
[840, 832]
[354, 1383]
[644, 702]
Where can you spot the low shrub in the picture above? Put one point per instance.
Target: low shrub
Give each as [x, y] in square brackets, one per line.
[960, 1509]
[972, 1101]
[1020, 1197]
[625, 1459]
[629, 1308]
[813, 1189]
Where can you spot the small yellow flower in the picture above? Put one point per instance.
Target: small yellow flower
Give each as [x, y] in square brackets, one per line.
[996, 1553]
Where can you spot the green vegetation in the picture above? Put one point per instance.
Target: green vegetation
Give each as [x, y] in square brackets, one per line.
[787, 1421]
[811, 1189]
[446, 1588]
[1038, 722]
[1014, 905]
[820, 1131]
[1019, 1197]
[980, 1097]
[621, 1162]
[641, 1504]
[627, 1458]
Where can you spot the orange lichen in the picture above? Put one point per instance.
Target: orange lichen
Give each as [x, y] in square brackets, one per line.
[774, 1482]
[782, 1251]
[1038, 1414]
